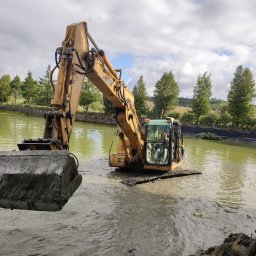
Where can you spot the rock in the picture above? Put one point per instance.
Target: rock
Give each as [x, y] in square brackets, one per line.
[198, 214]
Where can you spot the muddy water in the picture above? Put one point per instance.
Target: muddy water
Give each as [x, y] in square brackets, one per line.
[104, 217]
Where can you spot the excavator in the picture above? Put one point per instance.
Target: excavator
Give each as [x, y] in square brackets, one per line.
[43, 174]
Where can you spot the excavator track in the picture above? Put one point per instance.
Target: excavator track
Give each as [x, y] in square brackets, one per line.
[37, 179]
[155, 177]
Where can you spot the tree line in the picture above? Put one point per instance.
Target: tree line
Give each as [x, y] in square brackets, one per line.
[238, 110]
[32, 91]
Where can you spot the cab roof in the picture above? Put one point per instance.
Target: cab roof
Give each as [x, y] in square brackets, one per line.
[158, 122]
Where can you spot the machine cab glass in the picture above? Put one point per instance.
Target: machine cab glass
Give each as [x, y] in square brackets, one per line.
[157, 150]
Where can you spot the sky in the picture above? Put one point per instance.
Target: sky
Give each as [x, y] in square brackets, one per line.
[142, 37]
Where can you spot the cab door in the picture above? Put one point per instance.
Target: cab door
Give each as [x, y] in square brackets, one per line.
[157, 150]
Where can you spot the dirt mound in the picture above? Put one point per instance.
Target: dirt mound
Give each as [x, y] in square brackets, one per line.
[235, 245]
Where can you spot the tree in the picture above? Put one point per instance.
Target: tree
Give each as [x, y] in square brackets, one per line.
[46, 90]
[109, 109]
[38, 96]
[165, 95]
[201, 103]
[140, 97]
[241, 95]
[185, 102]
[5, 89]
[28, 87]
[15, 87]
[89, 94]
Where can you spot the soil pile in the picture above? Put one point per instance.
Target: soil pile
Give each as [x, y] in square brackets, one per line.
[235, 245]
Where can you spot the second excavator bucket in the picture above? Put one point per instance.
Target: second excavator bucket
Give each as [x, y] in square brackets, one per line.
[40, 180]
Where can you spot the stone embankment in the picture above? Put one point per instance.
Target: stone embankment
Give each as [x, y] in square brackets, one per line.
[101, 118]
[90, 117]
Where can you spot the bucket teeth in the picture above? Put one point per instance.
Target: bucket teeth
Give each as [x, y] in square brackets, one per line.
[37, 180]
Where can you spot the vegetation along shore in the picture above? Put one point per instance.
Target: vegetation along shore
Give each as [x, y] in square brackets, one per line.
[234, 118]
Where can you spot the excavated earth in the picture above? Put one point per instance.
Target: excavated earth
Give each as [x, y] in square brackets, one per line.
[235, 245]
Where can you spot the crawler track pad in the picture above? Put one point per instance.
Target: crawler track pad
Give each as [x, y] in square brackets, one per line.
[41, 180]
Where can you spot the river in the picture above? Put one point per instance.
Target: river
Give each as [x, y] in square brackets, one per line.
[104, 217]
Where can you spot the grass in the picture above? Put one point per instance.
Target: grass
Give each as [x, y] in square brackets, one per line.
[182, 110]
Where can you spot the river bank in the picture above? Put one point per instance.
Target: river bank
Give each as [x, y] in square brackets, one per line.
[101, 118]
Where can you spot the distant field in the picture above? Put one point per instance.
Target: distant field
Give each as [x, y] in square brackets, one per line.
[178, 109]
[181, 109]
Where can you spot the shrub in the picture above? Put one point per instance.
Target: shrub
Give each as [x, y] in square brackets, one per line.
[209, 120]
[249, 123]
[188, 117]
[208, 136]
[224, 120]
[175, 115]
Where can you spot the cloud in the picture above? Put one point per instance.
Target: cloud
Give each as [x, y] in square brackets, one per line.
[186, 36]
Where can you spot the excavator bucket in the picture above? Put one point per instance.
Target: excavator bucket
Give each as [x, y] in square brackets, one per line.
[40, 180]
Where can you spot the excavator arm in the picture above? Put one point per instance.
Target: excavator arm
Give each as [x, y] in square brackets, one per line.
[75, 61]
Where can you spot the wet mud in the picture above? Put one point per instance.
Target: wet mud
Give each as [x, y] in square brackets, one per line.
[234, 245]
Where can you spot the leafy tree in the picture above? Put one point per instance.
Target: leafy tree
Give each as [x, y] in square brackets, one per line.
[241, 95]
[165, 94]
[109, 109]
[201, 103]
[28, 88]
[185, 102]
[5, 89]
[38, 96]
[15, 87]
[89, 94]
[140, 97]
[45, 91]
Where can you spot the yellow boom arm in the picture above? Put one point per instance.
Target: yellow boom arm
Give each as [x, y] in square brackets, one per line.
[75, 62]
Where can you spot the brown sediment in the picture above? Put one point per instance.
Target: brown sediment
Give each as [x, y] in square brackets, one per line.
[235, 245]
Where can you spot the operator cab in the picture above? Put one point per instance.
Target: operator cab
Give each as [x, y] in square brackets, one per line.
[163, 142]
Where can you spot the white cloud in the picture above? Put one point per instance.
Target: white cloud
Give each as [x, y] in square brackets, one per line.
[186, 36]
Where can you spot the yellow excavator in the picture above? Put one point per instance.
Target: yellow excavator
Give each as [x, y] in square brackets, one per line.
[43, 175]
